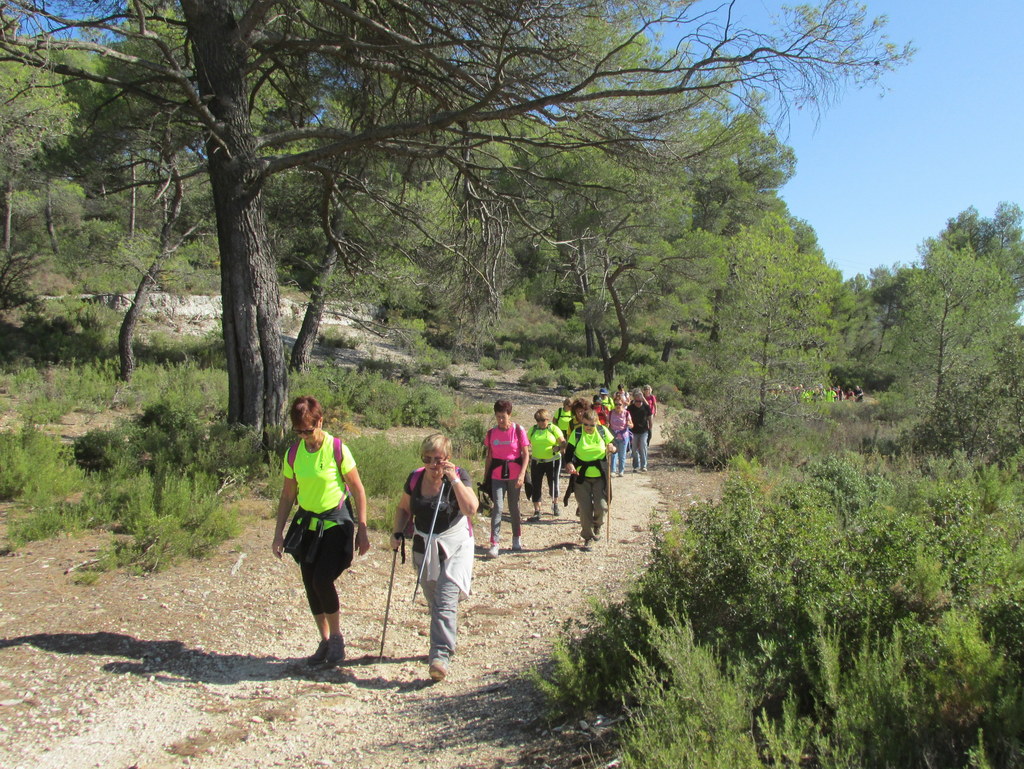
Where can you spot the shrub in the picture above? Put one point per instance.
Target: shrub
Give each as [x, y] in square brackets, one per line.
[37, 469]
[180, 517]
[857, 621]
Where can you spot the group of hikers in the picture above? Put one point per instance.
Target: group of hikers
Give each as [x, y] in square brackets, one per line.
[820, 393]
[587, 440]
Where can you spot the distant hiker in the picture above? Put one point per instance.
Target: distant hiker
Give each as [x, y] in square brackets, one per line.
[641, 414]
[579, 407]
[652, 401]
[858, 393]
[606, 399]
[438, 501]
[601, 410]
[321, 474]
[621, 392]
[507, 457]
[620, 422]
[563, 416]
[546, 445]
[588, 447]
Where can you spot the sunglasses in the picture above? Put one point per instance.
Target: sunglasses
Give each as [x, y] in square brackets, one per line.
[432, 460]
[310, 431]
[590, 424]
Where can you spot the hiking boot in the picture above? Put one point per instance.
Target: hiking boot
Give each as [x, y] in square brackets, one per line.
[438, 669]
[535, 516]
[335, 650]
[517, 544]
[586, 546]
[493, 552]
[319, 655]
[555, 509]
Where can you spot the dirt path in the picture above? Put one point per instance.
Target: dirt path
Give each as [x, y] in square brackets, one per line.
[201, 666]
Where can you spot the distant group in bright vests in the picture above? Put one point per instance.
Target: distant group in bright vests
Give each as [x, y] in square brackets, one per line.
[585, 440]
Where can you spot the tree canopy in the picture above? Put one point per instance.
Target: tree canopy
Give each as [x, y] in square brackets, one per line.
[275, 85]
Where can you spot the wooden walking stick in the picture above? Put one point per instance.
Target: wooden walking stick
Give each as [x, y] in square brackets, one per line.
[608, 495]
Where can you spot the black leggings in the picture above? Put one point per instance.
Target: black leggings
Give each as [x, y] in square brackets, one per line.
[332, 558]
[538, 471]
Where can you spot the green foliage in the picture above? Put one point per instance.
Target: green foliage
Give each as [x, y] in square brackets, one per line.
[837, 617]
[169, 517]
[61, 331]
[35, 468]
[693, 713]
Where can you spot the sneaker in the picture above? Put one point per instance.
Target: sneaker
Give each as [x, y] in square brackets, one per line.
[438, 669]
[636, 469]
[517, 544]
[493, 552]
[586, 546]
[335, 650]
[555, 509]
[319, 655]
[535, 516]
[643, 469]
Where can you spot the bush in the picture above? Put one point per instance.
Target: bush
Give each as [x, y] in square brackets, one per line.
[37, 469]
[856, 619]
[176, 517]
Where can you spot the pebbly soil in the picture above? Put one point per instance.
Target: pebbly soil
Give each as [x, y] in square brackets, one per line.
[202, 665]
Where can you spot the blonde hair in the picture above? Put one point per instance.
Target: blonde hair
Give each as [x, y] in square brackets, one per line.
[542, 414]
[437, 442]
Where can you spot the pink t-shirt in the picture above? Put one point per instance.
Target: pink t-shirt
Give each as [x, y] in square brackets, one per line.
[619, 423]
[653, 403]
[507, 444]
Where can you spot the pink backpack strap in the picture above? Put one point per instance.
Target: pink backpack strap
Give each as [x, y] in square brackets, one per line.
[292, 452]
[337, 452]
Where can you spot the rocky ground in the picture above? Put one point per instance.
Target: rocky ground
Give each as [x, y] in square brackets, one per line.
[201, 665]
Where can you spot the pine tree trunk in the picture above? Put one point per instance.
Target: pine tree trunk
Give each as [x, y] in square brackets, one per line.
[302, 352]
[257, 376]
[126, 336]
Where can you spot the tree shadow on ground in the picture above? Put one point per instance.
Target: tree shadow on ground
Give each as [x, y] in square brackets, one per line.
[172, 661]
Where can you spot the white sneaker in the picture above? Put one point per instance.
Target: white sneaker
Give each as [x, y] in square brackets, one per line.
[517, 544]
[493, 552]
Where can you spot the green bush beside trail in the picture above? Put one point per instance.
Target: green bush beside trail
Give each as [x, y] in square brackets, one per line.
[838, 617]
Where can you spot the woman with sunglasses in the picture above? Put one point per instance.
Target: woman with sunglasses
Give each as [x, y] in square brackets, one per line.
[320, 473]
[439, 502]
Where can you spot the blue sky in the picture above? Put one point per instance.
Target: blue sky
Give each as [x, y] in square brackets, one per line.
[876, 175]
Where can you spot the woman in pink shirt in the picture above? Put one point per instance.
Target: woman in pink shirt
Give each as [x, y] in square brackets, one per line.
[508, 452]
[653, 403]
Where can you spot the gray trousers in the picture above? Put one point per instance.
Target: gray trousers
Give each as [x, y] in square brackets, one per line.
[443, 601]
[500, 491]
[590, 496]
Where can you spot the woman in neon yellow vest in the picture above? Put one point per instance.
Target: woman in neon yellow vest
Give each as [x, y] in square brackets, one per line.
[320, 473]
[588, 447]
[546, 445]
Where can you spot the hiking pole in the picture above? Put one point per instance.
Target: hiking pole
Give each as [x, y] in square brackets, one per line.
[391, 585]
[430, 538]
[607, 496]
